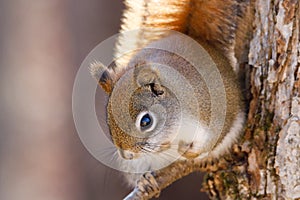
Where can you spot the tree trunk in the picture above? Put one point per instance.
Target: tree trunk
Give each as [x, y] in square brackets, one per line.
[265, 164]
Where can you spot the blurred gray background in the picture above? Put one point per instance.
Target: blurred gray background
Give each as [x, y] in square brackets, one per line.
[42, 44]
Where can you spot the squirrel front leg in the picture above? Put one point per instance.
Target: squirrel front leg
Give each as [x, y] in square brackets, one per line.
[151, 183]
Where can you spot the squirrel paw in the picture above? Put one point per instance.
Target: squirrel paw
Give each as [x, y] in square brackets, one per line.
[146, 188]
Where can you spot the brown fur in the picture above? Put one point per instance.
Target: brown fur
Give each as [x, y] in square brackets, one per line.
[220, 26]
[225, 24]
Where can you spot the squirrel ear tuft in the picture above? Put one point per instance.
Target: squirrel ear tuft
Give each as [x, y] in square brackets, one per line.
[103, 75]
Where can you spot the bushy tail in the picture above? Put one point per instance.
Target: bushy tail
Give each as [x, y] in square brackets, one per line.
[223, 23]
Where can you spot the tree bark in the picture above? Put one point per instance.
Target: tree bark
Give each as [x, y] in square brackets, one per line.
[265, 164]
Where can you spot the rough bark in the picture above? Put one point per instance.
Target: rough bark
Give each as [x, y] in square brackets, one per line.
[266, 162]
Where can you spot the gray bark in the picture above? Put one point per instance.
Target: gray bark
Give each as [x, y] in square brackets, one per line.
[265, 164]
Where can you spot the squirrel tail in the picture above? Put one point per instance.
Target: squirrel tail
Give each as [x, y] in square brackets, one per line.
[222, 23]
[225, 24]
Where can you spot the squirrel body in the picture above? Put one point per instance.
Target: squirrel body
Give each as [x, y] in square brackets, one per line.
[155, 117]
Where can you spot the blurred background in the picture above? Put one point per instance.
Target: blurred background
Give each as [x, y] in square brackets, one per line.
[42, 44]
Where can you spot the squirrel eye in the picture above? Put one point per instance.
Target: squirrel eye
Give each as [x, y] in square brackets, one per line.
[145, 122]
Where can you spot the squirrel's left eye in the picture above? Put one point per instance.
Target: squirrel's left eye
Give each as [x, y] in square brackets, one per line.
[145, 121]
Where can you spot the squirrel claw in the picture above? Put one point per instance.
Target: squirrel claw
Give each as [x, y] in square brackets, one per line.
[146, 188]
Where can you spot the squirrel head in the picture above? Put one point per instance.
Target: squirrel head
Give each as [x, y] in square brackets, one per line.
[142, 113]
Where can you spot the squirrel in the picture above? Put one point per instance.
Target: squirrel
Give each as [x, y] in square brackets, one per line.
[158, 123]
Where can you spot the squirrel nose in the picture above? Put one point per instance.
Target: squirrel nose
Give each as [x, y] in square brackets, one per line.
[128, 155]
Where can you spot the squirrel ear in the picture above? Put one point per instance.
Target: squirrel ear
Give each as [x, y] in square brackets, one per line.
[146, 76]
[150, 77]
[103, 75]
